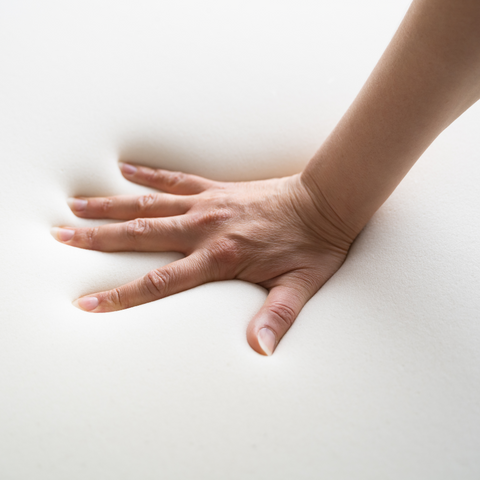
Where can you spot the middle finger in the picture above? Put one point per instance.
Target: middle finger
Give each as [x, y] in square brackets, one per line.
[127, 207]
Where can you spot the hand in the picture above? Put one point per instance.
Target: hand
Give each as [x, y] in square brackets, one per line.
[273, 233]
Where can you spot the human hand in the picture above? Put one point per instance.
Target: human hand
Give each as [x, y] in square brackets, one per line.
[274, 233]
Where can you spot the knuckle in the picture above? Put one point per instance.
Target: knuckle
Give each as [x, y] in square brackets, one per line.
[145, 202]
[226, 254]
[116, 297]
[156, 282]
[172, 179]
[106, 205]
[151, 175]
[214, 217]
[283, 312]
[92, 238]
[137, 228]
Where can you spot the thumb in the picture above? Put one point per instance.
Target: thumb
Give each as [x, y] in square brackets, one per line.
[277, 315]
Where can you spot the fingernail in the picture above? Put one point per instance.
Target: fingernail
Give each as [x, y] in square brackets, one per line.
[127, 169]
[267, 340]
[62, 234]
[77, 204]
[86, 303]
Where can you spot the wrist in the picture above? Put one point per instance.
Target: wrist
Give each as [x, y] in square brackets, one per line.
[346, 221]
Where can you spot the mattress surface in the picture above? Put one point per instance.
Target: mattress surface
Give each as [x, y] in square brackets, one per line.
[380, 375]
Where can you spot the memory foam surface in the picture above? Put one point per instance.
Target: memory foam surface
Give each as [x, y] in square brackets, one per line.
[378, 378]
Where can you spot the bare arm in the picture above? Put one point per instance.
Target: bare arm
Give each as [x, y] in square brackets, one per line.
[426, 78]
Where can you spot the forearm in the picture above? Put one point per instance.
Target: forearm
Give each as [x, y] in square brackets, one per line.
[427, 77]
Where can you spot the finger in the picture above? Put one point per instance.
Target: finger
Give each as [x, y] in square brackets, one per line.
[126, 207]
[142, 235]
[176, 277]
[277, 315]
[171, 182]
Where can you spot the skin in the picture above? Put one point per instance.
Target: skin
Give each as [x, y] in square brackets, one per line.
[290, 235]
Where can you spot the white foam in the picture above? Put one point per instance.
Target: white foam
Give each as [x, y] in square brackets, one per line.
[380, 375]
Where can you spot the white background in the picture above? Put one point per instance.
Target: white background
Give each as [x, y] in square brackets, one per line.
[380, 376]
